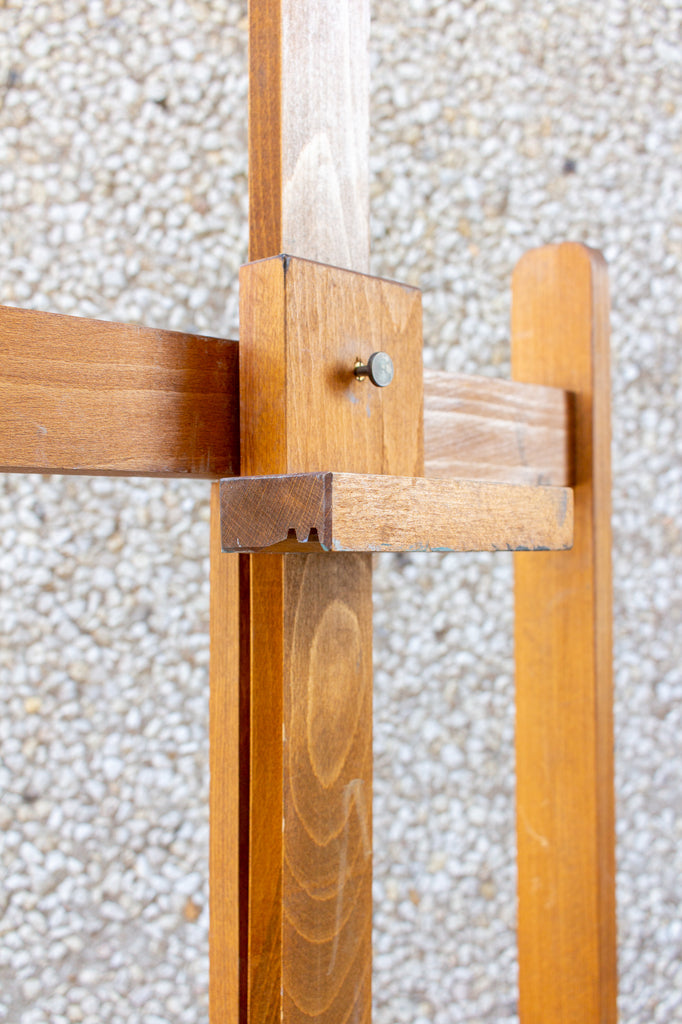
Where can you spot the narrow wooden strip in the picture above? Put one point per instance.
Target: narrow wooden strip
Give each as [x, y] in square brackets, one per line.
[265, 146]
[87, 396]
[363, 512]
[268, 641]
[564, 729]
[489, 428]
[228, 745]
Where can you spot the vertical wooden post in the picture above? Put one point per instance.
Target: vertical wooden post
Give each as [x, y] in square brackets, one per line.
[564, 729]
[228, 799]
[304, 930]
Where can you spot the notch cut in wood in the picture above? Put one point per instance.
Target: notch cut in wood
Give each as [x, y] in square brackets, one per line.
[310, 512]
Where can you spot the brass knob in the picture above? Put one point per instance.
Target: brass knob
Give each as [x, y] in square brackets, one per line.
[379, 369]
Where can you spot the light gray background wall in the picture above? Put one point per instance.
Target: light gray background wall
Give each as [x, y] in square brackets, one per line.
[497, 126]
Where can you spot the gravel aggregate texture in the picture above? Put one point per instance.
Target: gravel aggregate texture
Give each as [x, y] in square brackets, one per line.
[497, 126]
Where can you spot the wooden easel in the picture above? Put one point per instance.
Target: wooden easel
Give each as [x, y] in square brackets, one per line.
[465, 464]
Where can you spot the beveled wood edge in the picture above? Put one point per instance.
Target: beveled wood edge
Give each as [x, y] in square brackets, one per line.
[326, 511]
[286, 259]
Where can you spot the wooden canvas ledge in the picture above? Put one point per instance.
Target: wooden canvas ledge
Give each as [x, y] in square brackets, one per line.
[365, 512]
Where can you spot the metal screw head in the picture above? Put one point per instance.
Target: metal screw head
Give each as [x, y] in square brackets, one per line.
[379, 369]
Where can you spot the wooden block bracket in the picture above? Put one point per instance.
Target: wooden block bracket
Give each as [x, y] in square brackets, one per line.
[310, 512]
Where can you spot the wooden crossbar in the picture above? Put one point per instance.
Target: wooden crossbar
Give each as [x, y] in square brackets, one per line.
[100, 398]
[490, 428]
[88, 396]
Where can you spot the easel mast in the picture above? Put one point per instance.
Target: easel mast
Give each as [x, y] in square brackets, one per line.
[305, 926]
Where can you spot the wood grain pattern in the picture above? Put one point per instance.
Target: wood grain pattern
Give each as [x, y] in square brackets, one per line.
[309, 131]
[267, 684]
[303, 325]
[308, 189]
[327, 926]
[564, 729]
[87, 396]
[359, 512]
[228, 799]
[485, 428]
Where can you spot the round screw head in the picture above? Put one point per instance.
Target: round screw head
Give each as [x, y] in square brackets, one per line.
[379, 369]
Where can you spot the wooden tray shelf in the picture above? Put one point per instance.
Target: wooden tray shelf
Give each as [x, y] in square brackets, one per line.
[366, 512]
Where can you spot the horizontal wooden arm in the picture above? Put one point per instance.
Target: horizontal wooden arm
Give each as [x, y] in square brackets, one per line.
[489, 428]
[362, 512]
[88, 396]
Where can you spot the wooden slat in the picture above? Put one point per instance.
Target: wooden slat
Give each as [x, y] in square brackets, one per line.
[307, 867]
[362, 512]
[87, 396]
[564, 730]
[229, 763]
[487, 428]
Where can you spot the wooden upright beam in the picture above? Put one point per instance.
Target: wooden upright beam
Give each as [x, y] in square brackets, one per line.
[309, 130]
[304, 930]
[564, 729]
[311, 740]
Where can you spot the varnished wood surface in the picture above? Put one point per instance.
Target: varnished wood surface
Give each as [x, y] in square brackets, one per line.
[327, 824]
[309, 130]
[87, 396]
[488, 428]
[310, 865]
[360, 512]
[267, 822]
[564, 728]
[303, 326]
[228, 800]
[308, 189]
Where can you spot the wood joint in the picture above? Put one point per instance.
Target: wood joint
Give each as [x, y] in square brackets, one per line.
[304, 326]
